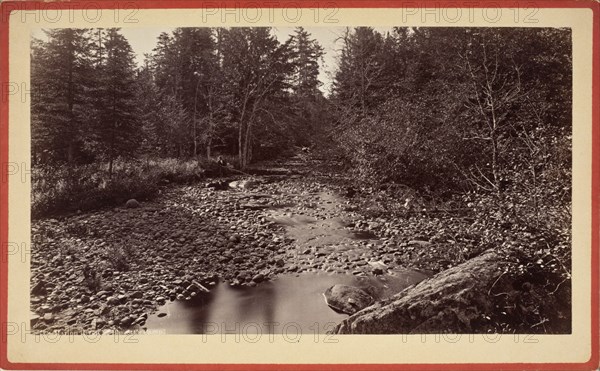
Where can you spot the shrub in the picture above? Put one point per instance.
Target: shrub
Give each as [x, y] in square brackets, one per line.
[64, 189]
[119, 257]
[91, 278]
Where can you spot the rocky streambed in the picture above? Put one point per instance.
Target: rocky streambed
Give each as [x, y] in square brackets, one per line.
[109, 270]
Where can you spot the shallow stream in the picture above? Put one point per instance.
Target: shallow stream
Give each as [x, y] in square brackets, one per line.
[288, 303]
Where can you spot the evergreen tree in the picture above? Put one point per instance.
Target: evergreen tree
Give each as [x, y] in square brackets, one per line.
[360, 68]
[308, 103]
[307, 53]
[185, 66]
[116, 126]
[61, 77]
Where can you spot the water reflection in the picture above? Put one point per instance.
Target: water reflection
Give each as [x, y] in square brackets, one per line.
[288, 301]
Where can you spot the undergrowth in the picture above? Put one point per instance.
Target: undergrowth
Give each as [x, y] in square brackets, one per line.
[65, 189]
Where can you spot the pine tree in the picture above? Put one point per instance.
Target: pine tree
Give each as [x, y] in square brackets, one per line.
[61, 77]
[116, 125]
[360, 69]
[307, 53]
[185, 64]
[308, 102]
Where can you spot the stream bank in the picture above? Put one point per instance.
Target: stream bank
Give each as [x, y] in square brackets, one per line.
[118, 269]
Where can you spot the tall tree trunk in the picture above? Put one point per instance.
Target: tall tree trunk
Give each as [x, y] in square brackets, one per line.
[110, 166]
[242, 130]
[495, 163]
[248, 137]
[209, 131]
[495, 149]
[247, 144]
[195, 118]
[241, 145]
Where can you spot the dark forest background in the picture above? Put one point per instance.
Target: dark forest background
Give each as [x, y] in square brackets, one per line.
[477, 116]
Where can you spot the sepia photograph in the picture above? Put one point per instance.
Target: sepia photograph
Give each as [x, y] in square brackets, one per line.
[287, 180]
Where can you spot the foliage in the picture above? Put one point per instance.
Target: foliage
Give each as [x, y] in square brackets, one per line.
[68, 189]
[92, 278]
[472, 109]
[61, 77]
[476, 121]
[114, 128]
[119, 257]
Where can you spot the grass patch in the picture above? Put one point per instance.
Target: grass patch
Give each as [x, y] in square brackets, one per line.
[67, 189]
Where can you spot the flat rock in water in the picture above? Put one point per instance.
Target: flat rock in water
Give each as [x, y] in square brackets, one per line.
[347, 299]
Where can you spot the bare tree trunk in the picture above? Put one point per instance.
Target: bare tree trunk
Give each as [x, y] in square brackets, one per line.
[210, 128]
[247, 145]
[195, 118]
[242, 130]
[110, 167]
[248, 136]
[495, 162]
[241, 145]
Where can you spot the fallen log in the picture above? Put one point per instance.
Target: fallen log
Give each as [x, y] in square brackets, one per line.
[472, 297]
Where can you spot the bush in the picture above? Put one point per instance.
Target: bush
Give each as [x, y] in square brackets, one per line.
[119, 258]
[65, 189]
[91, 278]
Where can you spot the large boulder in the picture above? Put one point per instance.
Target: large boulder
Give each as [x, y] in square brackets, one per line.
[461, 300]
[347, 299]
[132, 204]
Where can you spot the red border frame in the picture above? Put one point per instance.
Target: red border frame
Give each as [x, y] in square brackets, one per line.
[8, 6]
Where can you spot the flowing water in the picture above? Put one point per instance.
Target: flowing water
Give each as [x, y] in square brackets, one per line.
[288, 303]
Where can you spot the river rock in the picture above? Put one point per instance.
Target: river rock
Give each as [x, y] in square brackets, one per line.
[132, 204]
[419, 243]
[98, 323]
[34, 319]
[254, 206]
[125, 321]
[258, 278]
[378, 267]
[453, 301]
[218, 185]
[243, 184]
[347, 299]
[111, 300]
[39, 288]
